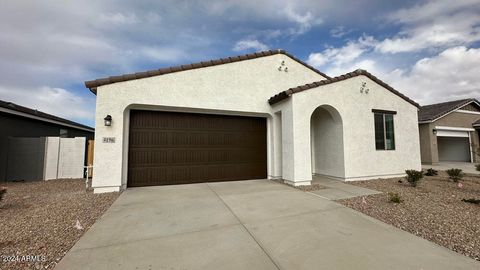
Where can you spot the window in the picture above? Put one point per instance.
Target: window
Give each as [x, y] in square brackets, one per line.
[63, 133]
[384, 130]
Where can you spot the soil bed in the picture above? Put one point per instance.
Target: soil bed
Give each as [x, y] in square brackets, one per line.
[433, 210]
[40, 218]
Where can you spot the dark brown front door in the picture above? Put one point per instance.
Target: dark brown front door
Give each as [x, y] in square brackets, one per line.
[168, 148]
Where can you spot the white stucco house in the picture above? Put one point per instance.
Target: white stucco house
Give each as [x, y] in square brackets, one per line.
[266, 115]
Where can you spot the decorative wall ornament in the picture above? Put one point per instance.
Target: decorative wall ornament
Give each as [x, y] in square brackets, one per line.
[363, 88]
[283, 67]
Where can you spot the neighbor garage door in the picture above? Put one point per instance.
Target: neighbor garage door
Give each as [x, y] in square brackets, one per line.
[453, 146]
[167, 148]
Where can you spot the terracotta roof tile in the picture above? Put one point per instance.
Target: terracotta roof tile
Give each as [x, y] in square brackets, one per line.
[92, 85]
[285, 94]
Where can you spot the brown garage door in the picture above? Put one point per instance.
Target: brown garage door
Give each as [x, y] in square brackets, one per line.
[167, 148]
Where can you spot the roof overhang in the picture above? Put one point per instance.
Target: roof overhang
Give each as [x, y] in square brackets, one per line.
[454, 110]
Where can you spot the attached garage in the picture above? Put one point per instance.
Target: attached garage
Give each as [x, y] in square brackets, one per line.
[453, 146]
[167, 148]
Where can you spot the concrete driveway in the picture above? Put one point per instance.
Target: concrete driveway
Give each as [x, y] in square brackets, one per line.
[256, 224]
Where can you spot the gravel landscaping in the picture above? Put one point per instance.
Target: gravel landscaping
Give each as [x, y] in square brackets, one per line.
[40, 219]
[433, 210]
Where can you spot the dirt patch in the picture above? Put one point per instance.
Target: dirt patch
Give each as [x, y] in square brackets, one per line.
[433, 210]
[311, 187]
[39, 219]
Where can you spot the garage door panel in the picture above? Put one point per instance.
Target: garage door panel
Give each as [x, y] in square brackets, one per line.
[176, 148]
[453, 149]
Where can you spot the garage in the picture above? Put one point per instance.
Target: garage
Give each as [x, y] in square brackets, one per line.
[168, 148]
[453, 146]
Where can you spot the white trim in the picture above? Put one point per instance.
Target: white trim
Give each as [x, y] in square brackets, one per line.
[470, 146]
[44, 119]
[453, 128]
[470, 112]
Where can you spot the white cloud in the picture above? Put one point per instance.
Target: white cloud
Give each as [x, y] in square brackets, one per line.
[57, 101]
[433, 25]
[339, 31]
[452, 74]
[118, 18]
[249, 44]
[345, 55]
[304, 22]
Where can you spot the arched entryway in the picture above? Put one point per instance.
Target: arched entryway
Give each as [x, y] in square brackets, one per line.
[327, 142]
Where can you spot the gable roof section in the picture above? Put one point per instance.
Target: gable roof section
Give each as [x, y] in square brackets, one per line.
[12, 108]
[92, 85]
[287, 93]
[477, 123]
[432, 112]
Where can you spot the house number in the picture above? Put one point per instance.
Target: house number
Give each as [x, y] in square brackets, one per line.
[108, 139]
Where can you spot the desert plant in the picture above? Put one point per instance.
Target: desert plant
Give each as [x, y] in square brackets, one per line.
[455, 174]
[431, 172]
[413, 177]
[3, 190]
[474, 201]
[477, 166]
[394, 197]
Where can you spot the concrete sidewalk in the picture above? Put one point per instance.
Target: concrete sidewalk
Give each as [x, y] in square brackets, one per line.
[336, 189]
[247, 225]
[466, 167]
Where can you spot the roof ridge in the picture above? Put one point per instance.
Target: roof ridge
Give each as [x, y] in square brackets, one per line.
[451, 101]
[93, 84]
[285, 94]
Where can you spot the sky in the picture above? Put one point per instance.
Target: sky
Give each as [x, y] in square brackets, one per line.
[428, 50]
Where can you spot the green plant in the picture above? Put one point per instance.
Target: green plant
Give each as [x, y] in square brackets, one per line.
[394, 197]
[3, 190]
[455, 174]
[477, 166]
[413, 177]
[474, 201]
[431, 172]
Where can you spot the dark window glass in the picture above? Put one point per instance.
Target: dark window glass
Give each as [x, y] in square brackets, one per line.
[384, 131]
[389, 133]
[379, 132]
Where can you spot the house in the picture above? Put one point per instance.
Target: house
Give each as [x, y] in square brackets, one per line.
[449, 131]
[255, 116]
[21, 122]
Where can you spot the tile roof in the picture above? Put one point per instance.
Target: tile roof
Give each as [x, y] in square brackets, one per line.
[285, 94]
[431, 112]
[92, 85]
[34, 112]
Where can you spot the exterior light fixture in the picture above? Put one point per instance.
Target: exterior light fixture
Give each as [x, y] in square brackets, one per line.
[108, 120]
[434, 131]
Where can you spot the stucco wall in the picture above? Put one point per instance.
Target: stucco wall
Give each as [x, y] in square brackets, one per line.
[327, 143]
[362, 160]
[240, 88]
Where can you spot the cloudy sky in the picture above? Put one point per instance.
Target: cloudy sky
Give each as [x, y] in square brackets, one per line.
[429, 50]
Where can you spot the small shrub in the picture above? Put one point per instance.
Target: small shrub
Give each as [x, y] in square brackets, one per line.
[394, 197]
[474, 201]
[455, 174]
[413, 177]
[3, 190]
[431, 172]
[477, 167]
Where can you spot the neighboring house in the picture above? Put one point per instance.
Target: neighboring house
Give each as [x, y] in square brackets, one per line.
[449, 131]
[254, 116]
[21, 122]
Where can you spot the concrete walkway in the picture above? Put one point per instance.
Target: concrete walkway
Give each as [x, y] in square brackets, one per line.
[336, 190]
[466, 167]
[247, 225]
